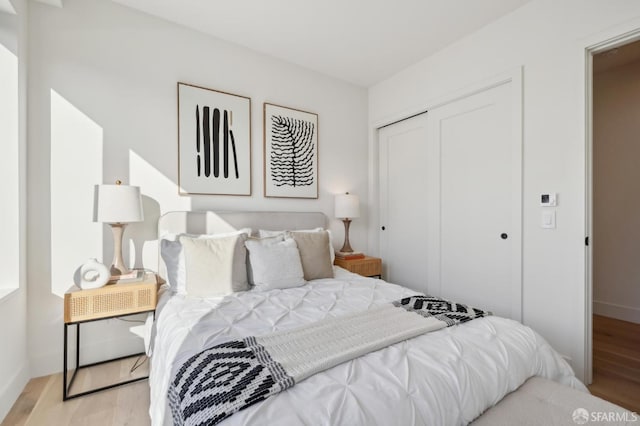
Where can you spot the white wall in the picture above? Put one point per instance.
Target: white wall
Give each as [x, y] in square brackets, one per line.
[14, 365]
[102, 106]
[616, 153]
[9, 125]
[548, 38]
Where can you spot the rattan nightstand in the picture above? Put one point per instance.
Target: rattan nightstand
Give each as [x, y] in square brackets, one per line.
[368, 266]
[110, 301]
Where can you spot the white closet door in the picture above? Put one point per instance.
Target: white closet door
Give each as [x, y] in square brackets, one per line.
[450, 201]
[474, 248]
[403, 156]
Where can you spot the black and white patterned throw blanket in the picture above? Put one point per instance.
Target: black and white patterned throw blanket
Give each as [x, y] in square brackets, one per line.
[226, 378]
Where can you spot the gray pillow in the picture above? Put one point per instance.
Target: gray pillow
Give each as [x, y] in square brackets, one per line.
[264, 241]
[314, 253]
[275, 265]
[171, 252]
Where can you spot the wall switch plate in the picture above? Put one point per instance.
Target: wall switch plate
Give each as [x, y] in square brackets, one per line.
[549, 219]
[548, 199]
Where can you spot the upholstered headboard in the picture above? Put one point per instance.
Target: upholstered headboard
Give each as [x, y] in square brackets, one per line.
[209, 222]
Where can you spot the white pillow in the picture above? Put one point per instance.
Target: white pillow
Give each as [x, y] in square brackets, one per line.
[210, 265]
[267, 233]
[275, 265]
[173, 256]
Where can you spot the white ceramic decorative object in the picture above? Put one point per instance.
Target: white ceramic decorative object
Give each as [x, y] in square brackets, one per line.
[93, 274]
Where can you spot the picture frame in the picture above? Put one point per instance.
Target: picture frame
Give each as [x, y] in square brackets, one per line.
[214, 142]
[290, 152]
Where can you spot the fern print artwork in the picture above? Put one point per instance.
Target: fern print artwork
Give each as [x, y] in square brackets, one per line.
[291, 152]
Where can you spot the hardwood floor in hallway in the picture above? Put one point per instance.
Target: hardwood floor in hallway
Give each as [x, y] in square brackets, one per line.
[616, 362]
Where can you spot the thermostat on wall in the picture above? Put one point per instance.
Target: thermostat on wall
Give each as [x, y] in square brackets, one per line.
[548, 199]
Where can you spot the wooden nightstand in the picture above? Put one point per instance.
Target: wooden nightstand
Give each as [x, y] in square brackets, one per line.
[368, 267]
[110, 301]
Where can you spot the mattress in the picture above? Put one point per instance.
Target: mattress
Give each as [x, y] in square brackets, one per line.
[446, 377]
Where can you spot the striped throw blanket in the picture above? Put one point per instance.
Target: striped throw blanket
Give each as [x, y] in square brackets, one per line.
[226, 378]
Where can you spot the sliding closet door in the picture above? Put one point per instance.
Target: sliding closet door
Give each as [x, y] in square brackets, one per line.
[475, 220]
[403, 226]
[450, 201]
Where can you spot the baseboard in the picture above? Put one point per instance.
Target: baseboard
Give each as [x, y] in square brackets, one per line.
[10, 392]
[621, 312]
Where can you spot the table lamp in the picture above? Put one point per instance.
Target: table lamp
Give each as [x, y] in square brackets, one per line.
[347, 207]
[117, 205]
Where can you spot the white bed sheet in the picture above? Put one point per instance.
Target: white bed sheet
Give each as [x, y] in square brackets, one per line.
[446, 377]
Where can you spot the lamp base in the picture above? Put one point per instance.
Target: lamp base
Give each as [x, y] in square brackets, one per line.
[346, 247]
[117, 266]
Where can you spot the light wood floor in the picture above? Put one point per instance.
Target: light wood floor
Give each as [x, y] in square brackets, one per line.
[41, 401]
[616, 378]
[616, 362]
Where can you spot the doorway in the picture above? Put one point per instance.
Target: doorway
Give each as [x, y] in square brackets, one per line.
[615, 218]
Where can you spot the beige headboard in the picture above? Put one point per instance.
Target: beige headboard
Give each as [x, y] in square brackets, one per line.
[209, 222]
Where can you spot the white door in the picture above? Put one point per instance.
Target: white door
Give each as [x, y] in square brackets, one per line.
[455, 195]
[403, 155]
[475, 227]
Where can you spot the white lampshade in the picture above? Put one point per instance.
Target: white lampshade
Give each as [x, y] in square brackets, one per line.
[347, 206]
[117, 204]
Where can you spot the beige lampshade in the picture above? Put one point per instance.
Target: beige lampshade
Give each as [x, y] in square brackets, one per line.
[117, 204]
[347, 206]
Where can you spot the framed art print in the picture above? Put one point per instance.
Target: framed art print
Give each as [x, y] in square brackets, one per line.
[290, 152]
[214, 142]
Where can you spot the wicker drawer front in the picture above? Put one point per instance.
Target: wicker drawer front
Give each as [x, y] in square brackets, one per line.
[110, 300]
[368, 267]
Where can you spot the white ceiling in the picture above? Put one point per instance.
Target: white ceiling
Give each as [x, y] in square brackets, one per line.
[360, 41]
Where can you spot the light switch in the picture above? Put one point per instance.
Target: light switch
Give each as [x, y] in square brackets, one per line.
[549, 219]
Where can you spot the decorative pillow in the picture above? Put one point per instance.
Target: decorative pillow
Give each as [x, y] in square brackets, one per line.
[266, 241]
[173, 257]
[314, 253]
[171, 253]
[211, 268]
[275, 265]
[266, 233]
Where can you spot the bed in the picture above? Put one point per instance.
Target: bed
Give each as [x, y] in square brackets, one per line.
[445, 377]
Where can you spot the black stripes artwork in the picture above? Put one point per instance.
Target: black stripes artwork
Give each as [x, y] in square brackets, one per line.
[208, 155]
[291, 152]
[292, 149]
[214, 142]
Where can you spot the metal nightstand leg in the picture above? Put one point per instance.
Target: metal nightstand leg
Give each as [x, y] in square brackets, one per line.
[66, 388]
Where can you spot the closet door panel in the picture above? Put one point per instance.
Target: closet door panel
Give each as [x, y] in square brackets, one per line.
[403, 150]
[476, 238]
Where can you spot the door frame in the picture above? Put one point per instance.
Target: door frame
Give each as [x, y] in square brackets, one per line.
[513, 76]
[603, 42]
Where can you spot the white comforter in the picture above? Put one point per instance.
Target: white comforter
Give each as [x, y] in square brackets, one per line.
[446, 377]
